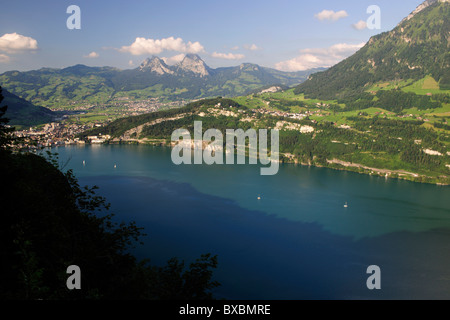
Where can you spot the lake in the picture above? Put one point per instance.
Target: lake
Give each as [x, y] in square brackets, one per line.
[286, 236]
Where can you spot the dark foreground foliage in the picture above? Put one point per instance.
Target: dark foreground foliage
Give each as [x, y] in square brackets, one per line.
[49, 222]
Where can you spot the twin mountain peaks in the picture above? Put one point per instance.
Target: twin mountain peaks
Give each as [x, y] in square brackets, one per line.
[191, 63]
[418, 47]
[189, 79]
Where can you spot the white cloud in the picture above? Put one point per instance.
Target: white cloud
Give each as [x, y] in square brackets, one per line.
[331, 15]
[4, 58]
[235, 48]
[319, 57]
[93, 54]
[14, 42]
[252, 47]
[360, 25]
[130, 63]
[174, 60]
[227, 56]
[143, 46]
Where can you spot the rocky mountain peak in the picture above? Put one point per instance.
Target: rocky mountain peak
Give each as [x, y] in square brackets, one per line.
[421, 7]
[155, 64]
[193, 63]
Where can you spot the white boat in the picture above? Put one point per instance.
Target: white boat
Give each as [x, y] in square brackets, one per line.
[346, 205]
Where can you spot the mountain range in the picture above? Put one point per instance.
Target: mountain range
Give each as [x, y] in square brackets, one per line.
[418, 47]
[416, 51]
[189, 79]
[374, 128]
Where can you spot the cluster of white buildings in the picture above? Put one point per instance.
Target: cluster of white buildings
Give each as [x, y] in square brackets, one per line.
[98, 139]
[51, 135]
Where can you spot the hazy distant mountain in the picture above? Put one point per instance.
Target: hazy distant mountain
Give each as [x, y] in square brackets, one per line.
[417, 47]
[189, 79]
[22, 112]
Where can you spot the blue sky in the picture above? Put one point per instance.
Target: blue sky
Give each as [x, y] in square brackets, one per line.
[288, 35]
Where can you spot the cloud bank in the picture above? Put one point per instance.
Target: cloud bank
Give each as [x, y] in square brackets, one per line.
[330, 15]
[14, 42]
[143, 46]
[319, 57]
[360, 25]
[91, 55]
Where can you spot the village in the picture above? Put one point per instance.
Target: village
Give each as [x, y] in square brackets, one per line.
[66, 131]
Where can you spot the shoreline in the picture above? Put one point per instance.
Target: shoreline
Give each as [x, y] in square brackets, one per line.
[334, 164]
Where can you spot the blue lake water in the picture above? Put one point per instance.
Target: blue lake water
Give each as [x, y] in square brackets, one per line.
[296, 242]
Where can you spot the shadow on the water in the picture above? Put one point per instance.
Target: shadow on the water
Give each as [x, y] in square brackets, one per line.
[263, 256]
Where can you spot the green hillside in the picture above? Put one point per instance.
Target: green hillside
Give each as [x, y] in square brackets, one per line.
[22, 112]
[372, 141]
[418, 49]
[87, 86]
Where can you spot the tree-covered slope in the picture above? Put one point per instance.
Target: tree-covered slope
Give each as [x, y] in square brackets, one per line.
[49, 222]
[417, 47]
[22, 112]
[391, 146]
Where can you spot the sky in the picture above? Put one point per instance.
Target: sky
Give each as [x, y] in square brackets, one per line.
[289, 35]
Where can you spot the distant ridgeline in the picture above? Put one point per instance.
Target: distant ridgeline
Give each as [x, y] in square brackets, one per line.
[187, 80]
[419, 47]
